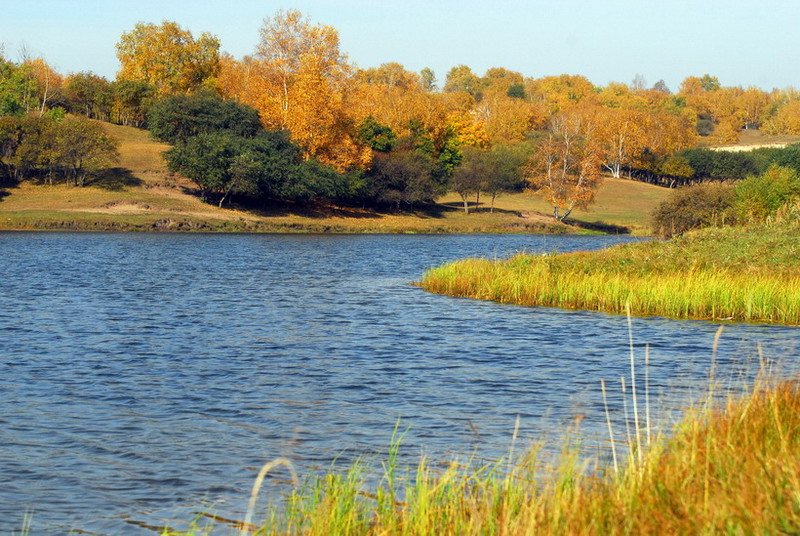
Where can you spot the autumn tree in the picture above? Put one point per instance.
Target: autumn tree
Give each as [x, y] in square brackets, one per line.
[621, 137]
[461, 78]
[167, 57]
[299, 81]
[565, 169]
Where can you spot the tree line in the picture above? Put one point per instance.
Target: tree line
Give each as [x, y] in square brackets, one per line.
[390, 136]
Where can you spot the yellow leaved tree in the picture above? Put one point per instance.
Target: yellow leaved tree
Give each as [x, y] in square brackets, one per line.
[565, 169]
[167, 57]
[299, 81]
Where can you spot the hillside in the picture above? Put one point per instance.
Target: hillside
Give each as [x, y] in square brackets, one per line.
[141, 194]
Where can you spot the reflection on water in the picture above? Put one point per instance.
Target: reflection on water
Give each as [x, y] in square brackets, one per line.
[144, 375]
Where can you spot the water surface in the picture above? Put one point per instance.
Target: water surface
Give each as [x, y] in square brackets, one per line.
[145, 376]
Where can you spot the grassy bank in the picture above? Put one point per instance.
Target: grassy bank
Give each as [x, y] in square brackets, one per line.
[733, 469]
[141, 195]
[739, 274]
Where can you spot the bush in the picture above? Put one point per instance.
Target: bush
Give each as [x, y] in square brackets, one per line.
[693, 207]
[759, 197]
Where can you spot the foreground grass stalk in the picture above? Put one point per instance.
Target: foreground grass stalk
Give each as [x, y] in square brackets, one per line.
[732, 467]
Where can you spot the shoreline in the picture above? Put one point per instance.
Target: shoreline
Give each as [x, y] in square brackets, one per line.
[731, 274]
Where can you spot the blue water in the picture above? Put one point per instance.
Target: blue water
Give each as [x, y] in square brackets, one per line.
[144, 377]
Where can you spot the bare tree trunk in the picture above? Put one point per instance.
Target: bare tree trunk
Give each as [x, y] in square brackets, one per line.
[466, 203]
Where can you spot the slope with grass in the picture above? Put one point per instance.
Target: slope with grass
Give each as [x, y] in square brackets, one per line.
[741, 274]
[140, 194]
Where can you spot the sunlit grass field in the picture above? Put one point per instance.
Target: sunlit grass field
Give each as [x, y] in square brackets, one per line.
[140, 194]
[740, 274]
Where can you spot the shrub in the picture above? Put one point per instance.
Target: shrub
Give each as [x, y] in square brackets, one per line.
[693, 207]
[759, 197]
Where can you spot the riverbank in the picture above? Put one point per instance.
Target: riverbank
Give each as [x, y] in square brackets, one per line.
[739, 273]
[141, 195]
[728, 468]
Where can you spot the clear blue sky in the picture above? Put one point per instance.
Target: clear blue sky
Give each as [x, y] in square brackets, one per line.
[742, 42]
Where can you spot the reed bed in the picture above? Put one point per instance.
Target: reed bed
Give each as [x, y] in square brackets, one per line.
[732, 274]
[729, 467]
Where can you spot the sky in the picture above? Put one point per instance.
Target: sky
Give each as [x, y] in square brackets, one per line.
[743, 43]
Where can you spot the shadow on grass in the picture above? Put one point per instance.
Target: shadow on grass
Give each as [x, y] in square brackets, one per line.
[608, 228]
[476, 208]
[114, 179]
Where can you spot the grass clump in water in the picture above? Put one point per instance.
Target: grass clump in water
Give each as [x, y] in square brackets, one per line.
[741, 274]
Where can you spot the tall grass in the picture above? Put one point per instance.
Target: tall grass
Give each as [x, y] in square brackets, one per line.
[730, 467]
[681, 279]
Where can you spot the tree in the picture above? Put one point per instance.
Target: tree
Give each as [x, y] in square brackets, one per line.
[468, 178]
[639, 82]
[379, 137]
[209, 160]
[621, 137]
[505, 164]
[693, 207]
[662, 87]
[299, 81]
[131, 102]
[427, 79]
[83, 147]
[167, 57]
[179, 117]
[759, 197]
[565, 169]
[17, 87]
[89, 94]
[402, 177]
[461, 78]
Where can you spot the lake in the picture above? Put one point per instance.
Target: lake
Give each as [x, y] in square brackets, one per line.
[144, 377]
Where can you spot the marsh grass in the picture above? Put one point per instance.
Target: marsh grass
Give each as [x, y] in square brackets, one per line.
[729, 466]
[739, 274]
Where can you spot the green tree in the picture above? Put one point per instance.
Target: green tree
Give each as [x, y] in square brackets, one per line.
[180, 117]
[470, 176]
[379, 137]
[89, 94]
[131, 100]
[402, 177]
[209, 160]
[83, 147]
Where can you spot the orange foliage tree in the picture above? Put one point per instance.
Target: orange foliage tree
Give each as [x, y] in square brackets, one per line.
[167, 57]
[565, 169]
[299, 81]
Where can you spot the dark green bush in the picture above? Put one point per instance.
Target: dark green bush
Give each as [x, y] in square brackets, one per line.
[693, 207]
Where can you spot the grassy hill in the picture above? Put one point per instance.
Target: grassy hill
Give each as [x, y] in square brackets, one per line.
[141, 194]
